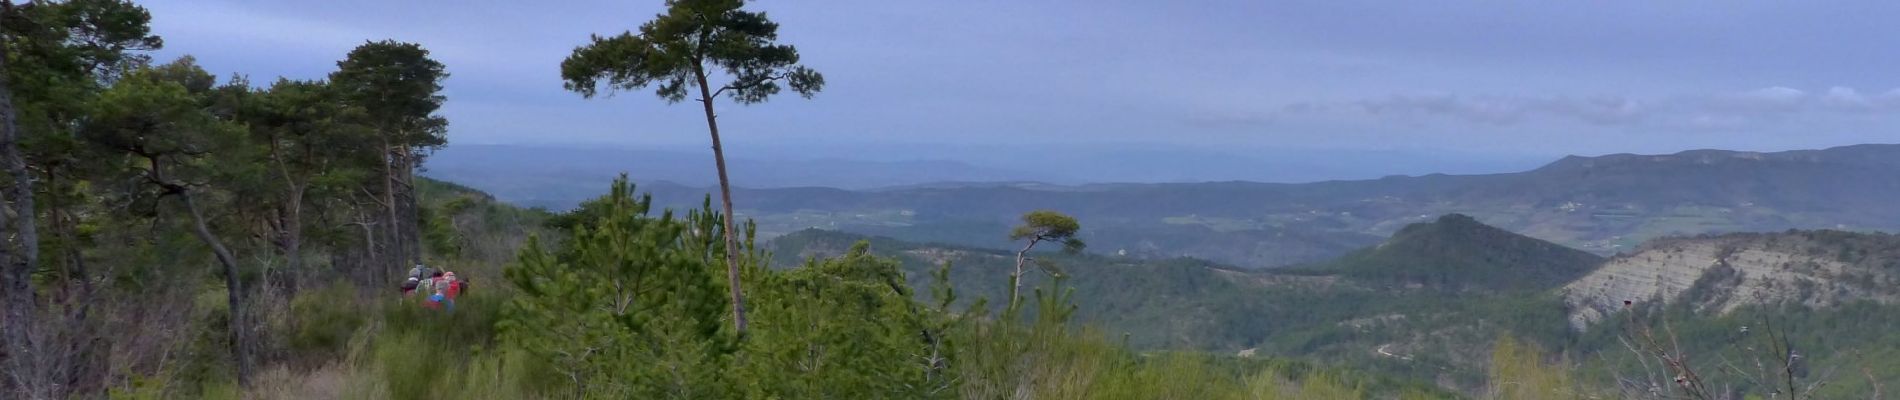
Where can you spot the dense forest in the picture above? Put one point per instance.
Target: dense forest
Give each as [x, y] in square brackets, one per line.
[125, 176]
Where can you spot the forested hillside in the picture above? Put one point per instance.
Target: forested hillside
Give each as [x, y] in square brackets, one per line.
[1386, 309]
[1456, 252]
[1338, 313]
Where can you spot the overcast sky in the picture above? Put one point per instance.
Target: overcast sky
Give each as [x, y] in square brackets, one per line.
[1542, 77]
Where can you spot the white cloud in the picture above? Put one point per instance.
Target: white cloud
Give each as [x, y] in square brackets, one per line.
[1730, 110]
[1776, 94]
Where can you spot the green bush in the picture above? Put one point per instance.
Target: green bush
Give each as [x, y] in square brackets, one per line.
[323, 321]
[440, 354]
[629, 306]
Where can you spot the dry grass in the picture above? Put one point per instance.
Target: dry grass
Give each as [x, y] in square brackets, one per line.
[333, 381]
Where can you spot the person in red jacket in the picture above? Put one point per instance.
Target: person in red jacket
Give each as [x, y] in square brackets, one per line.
[446, 288]
[454, 286]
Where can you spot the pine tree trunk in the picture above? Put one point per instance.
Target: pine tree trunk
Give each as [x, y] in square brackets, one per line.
[365, 261]
[234, 290]
[725, 197]
[410, 226]
[290, 220]
[392, 249]
[19, 256]
[1016, 279]
[293, 235]
[83, 369]
[64, 224]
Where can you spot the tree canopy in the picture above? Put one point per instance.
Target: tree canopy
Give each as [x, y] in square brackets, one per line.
[1049, 226]
[674, 50]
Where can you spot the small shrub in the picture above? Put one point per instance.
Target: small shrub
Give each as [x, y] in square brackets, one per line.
[322, 323]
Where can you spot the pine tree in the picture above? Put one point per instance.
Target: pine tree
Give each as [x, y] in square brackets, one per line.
[628, 306]
[841, 328]
[684, 50]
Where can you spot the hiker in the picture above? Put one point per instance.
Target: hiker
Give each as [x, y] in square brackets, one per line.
[428, 284]
[444, 289]
[419, 272]
[435, 301]
[455, 286]
[416, 275]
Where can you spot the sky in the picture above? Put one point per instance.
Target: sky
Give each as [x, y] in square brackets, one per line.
[1511, 78]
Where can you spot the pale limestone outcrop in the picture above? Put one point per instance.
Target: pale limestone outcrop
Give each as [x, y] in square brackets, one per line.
[1734, 271]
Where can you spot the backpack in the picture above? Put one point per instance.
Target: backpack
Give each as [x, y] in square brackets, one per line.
[434, 302]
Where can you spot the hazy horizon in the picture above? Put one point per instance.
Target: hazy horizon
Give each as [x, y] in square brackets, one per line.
[853, 168]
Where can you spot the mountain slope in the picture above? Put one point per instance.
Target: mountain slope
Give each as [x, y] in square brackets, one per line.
[1718, 274]
[1459, 253]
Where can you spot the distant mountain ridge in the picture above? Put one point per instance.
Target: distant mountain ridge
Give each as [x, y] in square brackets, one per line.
[1866, 154]
[1603, 204]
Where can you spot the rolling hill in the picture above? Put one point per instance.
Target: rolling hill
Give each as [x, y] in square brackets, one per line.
[1456, 252]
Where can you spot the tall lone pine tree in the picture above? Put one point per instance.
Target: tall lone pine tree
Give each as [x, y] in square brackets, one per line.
[677, 51]
[1041, 226]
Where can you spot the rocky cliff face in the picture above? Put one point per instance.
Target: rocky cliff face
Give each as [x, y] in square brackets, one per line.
[1719, 274]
